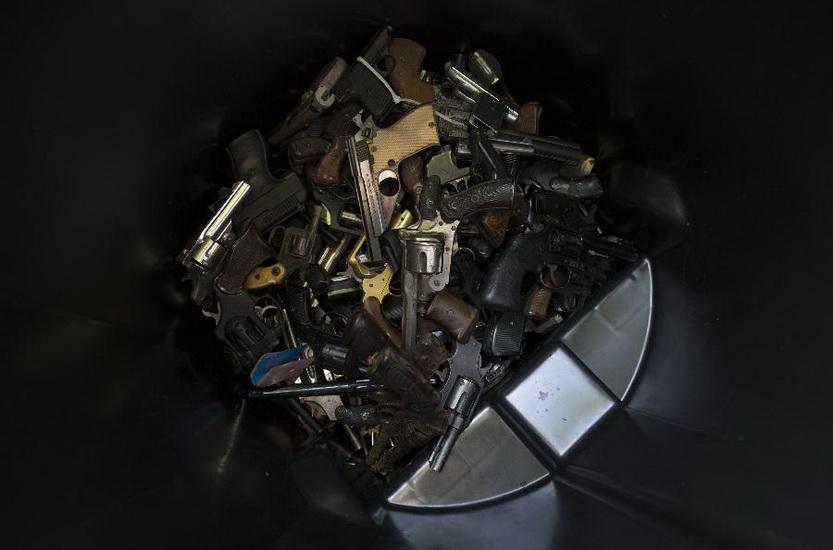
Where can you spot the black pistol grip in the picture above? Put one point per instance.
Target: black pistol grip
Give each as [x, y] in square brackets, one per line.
[502, 288]
[249, 156]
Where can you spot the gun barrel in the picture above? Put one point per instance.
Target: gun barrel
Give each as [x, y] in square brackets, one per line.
[325, 388]
[610, 248]
[208, 242]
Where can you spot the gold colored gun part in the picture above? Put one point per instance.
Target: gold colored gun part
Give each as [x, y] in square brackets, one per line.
[262, 277]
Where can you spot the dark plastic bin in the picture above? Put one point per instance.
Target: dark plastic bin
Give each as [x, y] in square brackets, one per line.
[122, 427]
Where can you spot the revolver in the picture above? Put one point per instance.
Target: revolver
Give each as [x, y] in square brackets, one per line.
[298, 248]
[526, 255]
[427, 248]
[216, 235]
[238, 325]
[490, 109]
[460, 395]
[258, 199]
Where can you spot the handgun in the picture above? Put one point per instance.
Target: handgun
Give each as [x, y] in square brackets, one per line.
[486, 162]
[374, 155]
[457, 317]
[298, 249]
[315, 101]
[490, 109]
[546, 175]
[369, 331]
[461, 402]
[526, 255]
[271, 200]
[328, 169]
[428, 247]
[364, 80]
[412, 174]
[453, 116]
[246, 334]
[459, 394]
[398, 374]
[216, 235]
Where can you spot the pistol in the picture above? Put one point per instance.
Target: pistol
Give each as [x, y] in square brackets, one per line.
[364, 80]
[490, 109]
[375, 155]
[209, 244]
[315, 101]
[298, 249]
[529, 119]
[307, 149]
[455, 315]
[271, 200]
[298, 302]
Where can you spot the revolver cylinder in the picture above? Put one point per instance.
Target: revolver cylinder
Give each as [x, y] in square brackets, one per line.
[423, 257]
[461, 402]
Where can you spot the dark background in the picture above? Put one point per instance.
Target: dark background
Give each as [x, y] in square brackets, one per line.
[118, 429]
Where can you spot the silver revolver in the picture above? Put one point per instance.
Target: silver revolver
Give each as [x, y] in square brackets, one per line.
[217, 233]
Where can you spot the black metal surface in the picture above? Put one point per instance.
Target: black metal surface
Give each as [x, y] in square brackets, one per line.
[115, 118]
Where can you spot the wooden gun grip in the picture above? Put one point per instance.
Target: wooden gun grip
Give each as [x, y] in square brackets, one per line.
[328, 171]
[408, 56]
[455, 315]
[528, 119]
[538, 302]
[412, 174]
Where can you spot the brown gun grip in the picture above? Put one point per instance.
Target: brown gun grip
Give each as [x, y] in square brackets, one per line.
[369, 331]
[404, 76]
[454, 315]
[412, 174]
[494, 224]
[328, 171]
[529, 115]
[538, 302]
[391, 331]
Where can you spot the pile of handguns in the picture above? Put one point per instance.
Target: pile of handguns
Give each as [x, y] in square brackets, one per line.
[388, 248]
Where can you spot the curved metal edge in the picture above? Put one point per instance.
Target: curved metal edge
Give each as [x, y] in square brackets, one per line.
[611, 338]
[489, 463]
[648, 330]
